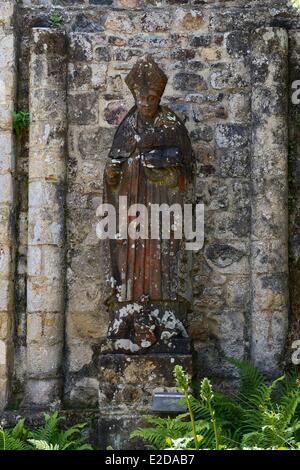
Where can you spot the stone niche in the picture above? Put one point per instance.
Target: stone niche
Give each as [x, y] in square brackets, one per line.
[229, 70]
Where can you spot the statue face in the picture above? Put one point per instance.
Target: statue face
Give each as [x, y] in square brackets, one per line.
[147, 102]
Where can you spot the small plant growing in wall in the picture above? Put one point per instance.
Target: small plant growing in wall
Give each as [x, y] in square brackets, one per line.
[20, 121]
[55, 20]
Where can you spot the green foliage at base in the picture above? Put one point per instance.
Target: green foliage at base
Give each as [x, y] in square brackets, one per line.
[260, 415]
[47, 437]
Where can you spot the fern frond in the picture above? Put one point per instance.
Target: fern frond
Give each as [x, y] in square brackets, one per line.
[250, 376]
[43, 445]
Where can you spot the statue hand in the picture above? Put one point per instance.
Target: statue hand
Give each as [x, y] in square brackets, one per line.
[162, 158]
[113, 172]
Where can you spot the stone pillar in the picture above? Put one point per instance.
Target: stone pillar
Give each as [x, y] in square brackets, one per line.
[294, 190]
[269, 239]
[7, 174]
[47, 180]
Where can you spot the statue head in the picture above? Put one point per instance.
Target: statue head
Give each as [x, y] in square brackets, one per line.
[146, 82]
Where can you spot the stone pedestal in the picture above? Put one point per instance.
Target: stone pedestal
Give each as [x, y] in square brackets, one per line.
[127, 384]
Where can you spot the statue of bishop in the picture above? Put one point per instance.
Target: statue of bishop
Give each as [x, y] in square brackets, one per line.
[151, 163]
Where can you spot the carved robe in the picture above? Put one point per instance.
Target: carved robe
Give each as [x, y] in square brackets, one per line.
[154, 165]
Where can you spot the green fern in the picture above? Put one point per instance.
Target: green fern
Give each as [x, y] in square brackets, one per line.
[261, 415]
[15, 438]
[71, 439]
[50, 436]
[43, 445]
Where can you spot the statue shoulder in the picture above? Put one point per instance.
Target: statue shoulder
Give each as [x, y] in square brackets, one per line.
[123, 143]
[170, 118]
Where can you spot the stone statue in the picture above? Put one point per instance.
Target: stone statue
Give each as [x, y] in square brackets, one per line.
[150, 162]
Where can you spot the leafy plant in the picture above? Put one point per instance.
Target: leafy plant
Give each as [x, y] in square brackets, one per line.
[43, 445]
[20, 121]
[55, 20]
[16, 438]
[259, 415]
[70, 439]
[182, 384]
[295, 3]
[47, 437]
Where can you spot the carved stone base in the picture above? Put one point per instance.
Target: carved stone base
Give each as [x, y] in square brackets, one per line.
[127, 384]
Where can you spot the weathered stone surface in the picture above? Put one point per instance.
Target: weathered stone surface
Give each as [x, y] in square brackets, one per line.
[83, 108]
[223, 255]
[7, 197]
[214, 81]
[269, 205]
[45, 283]
[187, 81]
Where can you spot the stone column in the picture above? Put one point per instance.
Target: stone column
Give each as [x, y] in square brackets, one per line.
[294, 190]
[47, 180]
[269, 239]
[7, 174]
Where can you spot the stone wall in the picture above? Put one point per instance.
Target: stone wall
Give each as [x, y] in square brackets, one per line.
[228, 64]
[7, 198]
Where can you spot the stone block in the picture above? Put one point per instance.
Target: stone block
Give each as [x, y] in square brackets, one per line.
[80, 47]
[268, 340]
[268, 221]
[119, 22]
[188, 20]
[6, 189]
[229, 225]
[270, 292]
[47, 164]
[5, 260]
[239, 107]
[84, 325]
[45, 327]
[6, 146]
[53, 105]
[5, 116]
[187, 81]
[44, 260]
[5, 294]
[40, 393]
[46, 136]
[230, 76]
[43, 296]
[7, 161]
[44, 360]
[115, 112]
[5, 326]
[234, 162]
[95, 143]
[228, 258]
[238, 292]
[47, 41]
[84, 393]
[155, 370]
[3, 355]
[45, 226]
[45, 193]
[6, 11]
[232, 136]
[237, 43]
[269, 256]
[80, 355]
[83, 108]
[5, 223]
